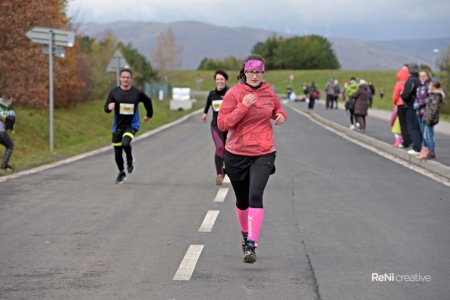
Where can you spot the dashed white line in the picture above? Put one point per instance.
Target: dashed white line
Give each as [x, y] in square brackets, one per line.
[209, 221]
[189, 262]
[221, 194]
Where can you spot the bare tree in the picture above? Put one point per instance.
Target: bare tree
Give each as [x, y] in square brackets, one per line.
[167, 54]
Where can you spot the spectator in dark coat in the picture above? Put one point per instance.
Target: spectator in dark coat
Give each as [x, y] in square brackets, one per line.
[409, 96]
[361, 105]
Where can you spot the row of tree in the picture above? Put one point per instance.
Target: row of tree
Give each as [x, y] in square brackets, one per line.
[81, 75]
[311, 52]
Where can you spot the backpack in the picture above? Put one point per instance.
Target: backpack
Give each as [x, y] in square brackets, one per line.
[350, 104]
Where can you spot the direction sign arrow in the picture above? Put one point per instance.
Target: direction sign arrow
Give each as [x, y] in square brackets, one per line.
[42, 35]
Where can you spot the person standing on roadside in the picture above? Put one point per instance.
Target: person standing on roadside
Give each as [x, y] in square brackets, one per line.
[214, 101]
[313, 95]
[420, 103]
[124, 101]
[7, 122]
[349, 91]
[409, 96]
[330, 94]
[431, 116]
[246, 113]
[361, 105]
[402, 77]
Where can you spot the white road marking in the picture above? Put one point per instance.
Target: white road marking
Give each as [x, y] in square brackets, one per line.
[209, 221]
[415, 168]
[226, 179]
[189, 262]
[221, 194]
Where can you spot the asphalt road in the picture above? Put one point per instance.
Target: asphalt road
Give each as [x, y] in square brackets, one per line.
[336, 214]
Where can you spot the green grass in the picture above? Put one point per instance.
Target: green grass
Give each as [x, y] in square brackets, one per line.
[280, 79]
[83, 128]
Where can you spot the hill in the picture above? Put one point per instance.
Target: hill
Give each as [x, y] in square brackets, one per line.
[200, 40]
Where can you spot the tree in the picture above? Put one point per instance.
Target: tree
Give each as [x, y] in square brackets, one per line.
[229, 63]
[307, 52]
[23, 66]
[142, 69]
[444, 78]
[167, 55]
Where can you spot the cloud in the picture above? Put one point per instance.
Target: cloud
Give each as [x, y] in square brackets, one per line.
[337, 18]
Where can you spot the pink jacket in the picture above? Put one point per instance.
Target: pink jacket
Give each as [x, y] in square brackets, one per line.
[402, 76]
[250, 131]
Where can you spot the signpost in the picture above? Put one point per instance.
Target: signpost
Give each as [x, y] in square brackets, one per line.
[51, 38]
[117, 63]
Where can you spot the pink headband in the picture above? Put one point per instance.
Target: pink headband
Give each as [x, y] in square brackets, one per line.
[254, 65]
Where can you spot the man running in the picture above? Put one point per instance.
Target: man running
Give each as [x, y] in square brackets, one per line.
[124, 100]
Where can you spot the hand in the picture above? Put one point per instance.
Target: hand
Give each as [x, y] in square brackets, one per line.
[204, 118]
[279, 119]
[145, 119]
[111, 106]
[249, 100]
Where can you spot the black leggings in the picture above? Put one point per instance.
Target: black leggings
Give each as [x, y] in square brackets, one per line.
[249, 191]
[6, 141]
[118, 150]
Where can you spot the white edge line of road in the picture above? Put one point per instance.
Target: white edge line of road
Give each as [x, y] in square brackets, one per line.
[95, 152]
[431, 169]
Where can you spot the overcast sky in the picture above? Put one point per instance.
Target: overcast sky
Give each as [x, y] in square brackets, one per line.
[366, 20]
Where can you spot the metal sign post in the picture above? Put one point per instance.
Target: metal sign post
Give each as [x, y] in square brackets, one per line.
[117, 63]
[51, 37]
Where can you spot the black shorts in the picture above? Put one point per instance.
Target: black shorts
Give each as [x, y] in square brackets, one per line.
[120, 133]
[237, 167]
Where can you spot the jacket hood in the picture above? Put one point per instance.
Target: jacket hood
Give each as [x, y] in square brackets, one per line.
[437, 91]
[403, 74]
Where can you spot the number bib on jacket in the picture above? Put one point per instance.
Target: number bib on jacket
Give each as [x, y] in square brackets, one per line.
[126, 108]
[216, 105]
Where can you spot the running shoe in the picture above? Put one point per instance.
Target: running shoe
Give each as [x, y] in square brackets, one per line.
[249, 253]
[7, 167]
[130, 166]
[244, 240]
[121, 178]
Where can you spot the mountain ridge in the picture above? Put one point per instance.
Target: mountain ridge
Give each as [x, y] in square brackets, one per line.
[203, 40]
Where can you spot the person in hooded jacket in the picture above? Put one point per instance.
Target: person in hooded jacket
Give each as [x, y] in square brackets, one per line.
[402, 77]
[214, 101]
[409, 96]
[246, 113]
[361, 105]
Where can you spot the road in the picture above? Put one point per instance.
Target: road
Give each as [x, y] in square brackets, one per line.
[337, 216]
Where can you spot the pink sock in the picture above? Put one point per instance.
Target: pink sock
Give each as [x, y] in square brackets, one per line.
[242, 216]
[255, 220]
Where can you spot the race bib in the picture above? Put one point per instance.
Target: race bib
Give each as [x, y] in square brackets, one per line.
[126, 108]
[216, 105]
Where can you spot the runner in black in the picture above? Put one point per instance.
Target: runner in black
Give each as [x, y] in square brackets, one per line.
[124, 100]
[214, 101]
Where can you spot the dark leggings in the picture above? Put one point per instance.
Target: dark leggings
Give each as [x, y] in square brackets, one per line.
[219, 140]
[6, 141]
[126, 146]
[249, 192]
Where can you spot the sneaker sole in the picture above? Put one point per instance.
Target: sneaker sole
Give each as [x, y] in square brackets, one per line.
[249, 258]
[120, 182]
